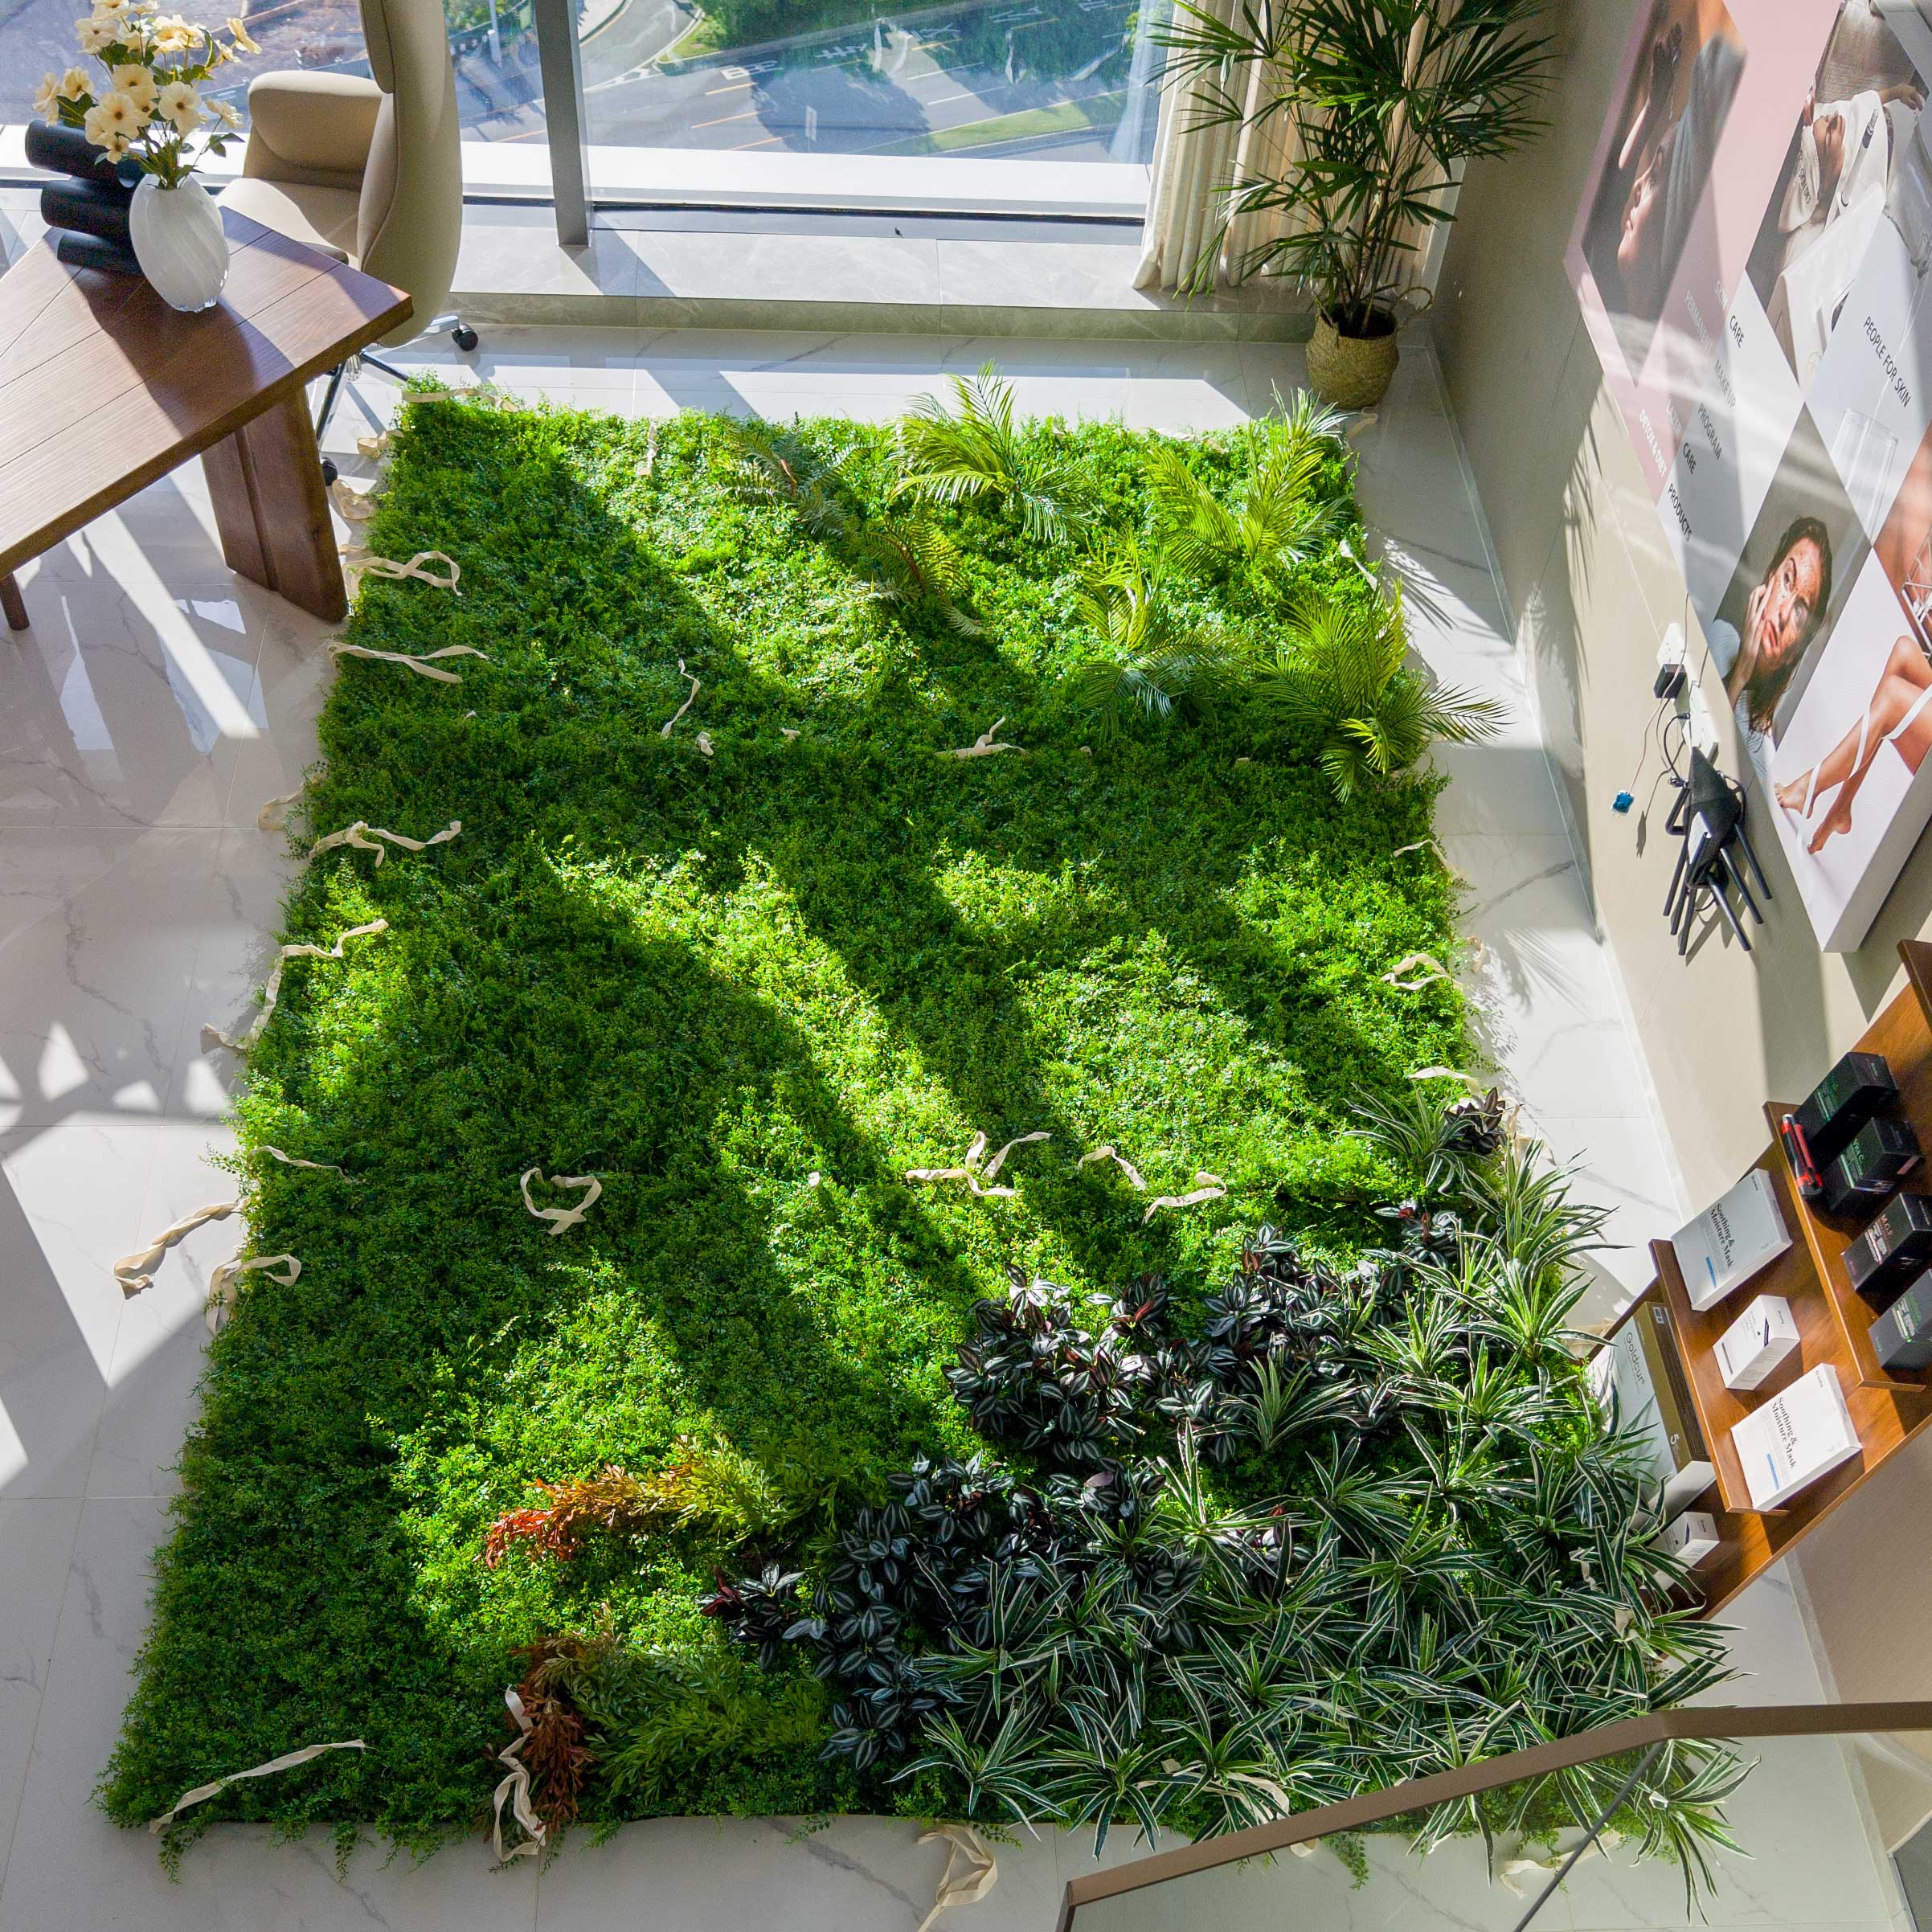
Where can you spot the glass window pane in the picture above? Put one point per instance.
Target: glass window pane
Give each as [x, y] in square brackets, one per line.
[1046, 82]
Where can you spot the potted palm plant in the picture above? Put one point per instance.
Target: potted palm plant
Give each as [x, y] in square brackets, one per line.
[1376, 105]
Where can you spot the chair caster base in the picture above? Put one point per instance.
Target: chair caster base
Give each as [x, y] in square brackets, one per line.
[464, 336]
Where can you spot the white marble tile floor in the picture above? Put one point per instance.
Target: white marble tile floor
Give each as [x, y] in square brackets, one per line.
[157, 701]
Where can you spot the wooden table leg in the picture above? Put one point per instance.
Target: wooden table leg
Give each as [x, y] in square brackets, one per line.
[272, 508]
[13, 603]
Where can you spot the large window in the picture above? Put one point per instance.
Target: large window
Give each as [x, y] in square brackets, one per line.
[814, 103]
[1068, 80]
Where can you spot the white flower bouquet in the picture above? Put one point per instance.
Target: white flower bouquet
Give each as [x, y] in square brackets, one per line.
[150, 107]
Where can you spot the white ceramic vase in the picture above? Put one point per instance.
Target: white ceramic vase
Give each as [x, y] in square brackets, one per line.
[179, 243]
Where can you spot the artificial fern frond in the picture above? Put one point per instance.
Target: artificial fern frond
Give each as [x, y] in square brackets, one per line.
[1343, 678]
[975, 450]
[1148, 663]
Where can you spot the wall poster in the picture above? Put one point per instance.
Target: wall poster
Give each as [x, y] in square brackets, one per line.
[1751, 258]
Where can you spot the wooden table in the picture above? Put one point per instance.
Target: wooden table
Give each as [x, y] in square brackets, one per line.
[104, 388]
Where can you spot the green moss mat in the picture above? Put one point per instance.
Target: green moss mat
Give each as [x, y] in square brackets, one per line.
[706, 981]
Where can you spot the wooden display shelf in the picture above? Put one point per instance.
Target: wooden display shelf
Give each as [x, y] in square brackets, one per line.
[1825, 1238]
[1833, 1322]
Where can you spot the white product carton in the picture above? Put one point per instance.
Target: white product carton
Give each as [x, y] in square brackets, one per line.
[1690, 1537]
[1798, 1436]
[1756, 1343]
[1731, 1240]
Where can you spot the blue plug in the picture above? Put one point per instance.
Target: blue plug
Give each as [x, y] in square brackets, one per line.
[1623, 801]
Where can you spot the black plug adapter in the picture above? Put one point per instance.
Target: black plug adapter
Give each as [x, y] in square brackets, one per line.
[1669, 682]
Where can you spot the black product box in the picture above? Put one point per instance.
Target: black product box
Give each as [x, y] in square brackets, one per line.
[1892, 1251]
[1883, 1153]
[1856, 1090]
[1901, 1337]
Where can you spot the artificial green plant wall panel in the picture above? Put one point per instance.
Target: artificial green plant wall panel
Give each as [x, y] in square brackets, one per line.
[748, 973]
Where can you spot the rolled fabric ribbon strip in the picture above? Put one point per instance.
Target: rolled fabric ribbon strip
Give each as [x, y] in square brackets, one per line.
[222, 1296]
[135, 1271]
[515, 1788]
[351, 506]
[562, 1219]
[1119, 1161]
[212, 1036]
[357, 562]
[1425, 965]
[664, 731]
[424, 666]
[971, 1172]
[322, 1167]
[971, 1872]
[286, 1762]
[983, 746]
[1208, 1187]
[274, 815]
[366, 837]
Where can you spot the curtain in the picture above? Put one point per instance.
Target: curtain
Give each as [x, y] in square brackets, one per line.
[1194, 168]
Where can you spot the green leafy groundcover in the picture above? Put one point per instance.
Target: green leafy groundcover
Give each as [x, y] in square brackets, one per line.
[748, 991]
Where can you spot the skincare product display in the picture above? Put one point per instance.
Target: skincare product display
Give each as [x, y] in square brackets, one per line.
[1802, 1433]
[1893, 1252]
[1882, 1154]
[1690, 1538]
[1753, 1346]
[1901, 1337]
[1858, 1089]
[1731, 1240]
[1637, 1375]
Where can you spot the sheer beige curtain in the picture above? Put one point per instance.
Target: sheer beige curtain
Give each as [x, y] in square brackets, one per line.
[1187, 242]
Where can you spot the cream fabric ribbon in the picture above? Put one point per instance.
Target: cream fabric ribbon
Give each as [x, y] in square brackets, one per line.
[365, 837]
[515, 1788]
[374, 446]
[1427, 966]
[222, 1296]
[664, 731]
[972, 1174]
[983, 746]
[970, 1872]
[1461, 878]
[358, 563]
[136, 1271]
[1119, 1161]
[287, 1762]
[274, 815]
[351, 506]
[322, 1167]
[1207, 1187]
[213, 1036]
[424, 666]
[563, 1219]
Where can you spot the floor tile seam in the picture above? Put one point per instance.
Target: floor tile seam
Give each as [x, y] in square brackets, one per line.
[53, 1648]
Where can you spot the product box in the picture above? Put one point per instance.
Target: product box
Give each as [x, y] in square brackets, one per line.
[1883, 1152]
[1901, 1337]
[1894, 1249]
[1802, 1433]
[1856, 1090]
[1690, 1538]
[1637, 1377]
[1756, 1343]
[1731, 1240]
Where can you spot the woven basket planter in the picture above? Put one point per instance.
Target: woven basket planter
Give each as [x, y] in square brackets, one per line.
[1351, 371]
